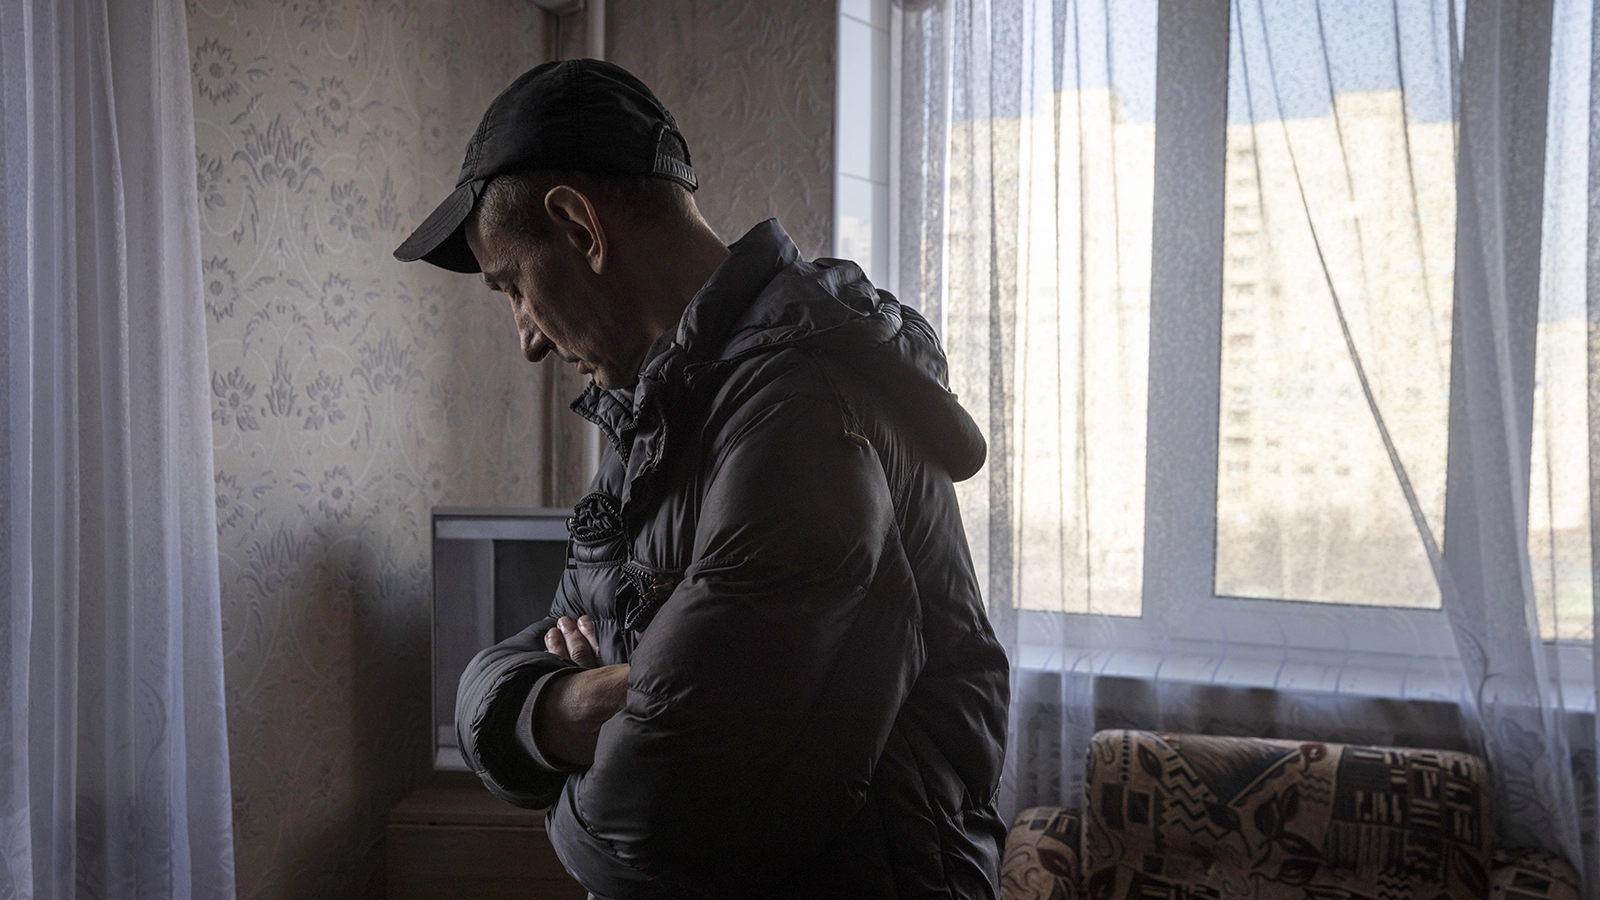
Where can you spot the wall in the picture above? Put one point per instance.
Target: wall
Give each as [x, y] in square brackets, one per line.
[351, 394]
[752, 86]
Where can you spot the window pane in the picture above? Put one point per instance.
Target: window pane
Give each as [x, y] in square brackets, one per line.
[1340, 194]
[1051, 177]
[1558, 496]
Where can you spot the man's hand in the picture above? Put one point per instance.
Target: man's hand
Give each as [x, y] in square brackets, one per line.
[574, 640]
[573, 708]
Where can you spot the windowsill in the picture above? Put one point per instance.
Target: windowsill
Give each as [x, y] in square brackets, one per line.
[1353, 674]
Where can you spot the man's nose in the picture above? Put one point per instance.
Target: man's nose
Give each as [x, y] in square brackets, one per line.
[535, 346]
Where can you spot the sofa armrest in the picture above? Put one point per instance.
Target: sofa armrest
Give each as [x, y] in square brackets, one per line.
[1041, 858]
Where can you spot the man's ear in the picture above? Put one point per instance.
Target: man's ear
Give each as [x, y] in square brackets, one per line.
[576, 221]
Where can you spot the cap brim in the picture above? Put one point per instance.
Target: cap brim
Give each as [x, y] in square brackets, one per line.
[440, 239]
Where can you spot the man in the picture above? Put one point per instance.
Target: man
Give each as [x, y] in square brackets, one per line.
[768, 671]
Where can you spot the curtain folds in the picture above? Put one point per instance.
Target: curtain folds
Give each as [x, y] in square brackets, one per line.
[116, 781]
[1488, 589]
[1289, 396]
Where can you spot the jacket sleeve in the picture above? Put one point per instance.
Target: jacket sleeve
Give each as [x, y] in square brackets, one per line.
[763, 693]
[494, 690]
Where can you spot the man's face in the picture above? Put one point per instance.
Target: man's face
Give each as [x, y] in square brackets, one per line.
[558, 303]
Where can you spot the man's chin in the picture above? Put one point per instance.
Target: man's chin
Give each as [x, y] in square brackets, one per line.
[608, 382]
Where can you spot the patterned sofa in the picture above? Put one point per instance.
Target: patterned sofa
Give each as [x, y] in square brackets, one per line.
[1187, 817]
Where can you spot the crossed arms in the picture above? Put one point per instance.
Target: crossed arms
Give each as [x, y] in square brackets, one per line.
[745, 733]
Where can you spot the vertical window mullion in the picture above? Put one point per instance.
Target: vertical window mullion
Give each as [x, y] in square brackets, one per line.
[1500, 183]
[1185, 304]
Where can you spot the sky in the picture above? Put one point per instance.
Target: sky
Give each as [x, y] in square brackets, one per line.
[1566, 193]
[1067, 44]
[1289, 73]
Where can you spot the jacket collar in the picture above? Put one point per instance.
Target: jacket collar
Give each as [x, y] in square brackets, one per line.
[707, 324]
[754, 261]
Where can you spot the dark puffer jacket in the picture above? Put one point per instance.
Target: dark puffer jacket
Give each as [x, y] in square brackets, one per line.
[817, 704]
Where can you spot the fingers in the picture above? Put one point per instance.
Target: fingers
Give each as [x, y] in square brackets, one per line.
[576, 640]
[586, 628]
[579, 646]
[555, 643]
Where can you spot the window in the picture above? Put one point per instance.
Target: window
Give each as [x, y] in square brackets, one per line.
[861, 135]
[1340, 200]
[1559, 525]
[1063, 218]
[1280, 238]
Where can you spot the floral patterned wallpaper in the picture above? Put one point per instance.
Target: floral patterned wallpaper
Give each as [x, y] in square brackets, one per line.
[352, 393]
[751, 85]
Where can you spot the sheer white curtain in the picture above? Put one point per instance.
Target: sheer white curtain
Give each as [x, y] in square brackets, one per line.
[1487, 571]
[115, 780]
[1248, 298]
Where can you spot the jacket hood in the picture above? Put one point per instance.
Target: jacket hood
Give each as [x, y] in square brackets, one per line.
[831, 309]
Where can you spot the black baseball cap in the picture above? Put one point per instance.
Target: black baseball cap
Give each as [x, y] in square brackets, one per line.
[582, 115]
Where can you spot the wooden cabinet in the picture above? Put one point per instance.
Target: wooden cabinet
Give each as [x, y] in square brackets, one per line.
[453, 840]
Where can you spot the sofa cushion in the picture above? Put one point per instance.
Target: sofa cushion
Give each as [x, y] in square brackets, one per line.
[1041, 860]
[1192, 816]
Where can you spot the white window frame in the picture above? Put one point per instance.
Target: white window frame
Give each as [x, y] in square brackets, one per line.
[1184, 398]
[1206, 636]
[861, 137]
[1185, 389]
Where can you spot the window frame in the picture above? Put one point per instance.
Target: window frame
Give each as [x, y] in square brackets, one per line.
[1184, 402]
[864, 119]
[1250, 638]
[1185, 391]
